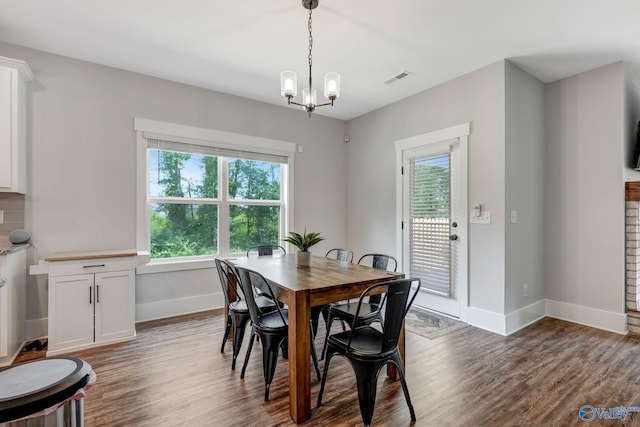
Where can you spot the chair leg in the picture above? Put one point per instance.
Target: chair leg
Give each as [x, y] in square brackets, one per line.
[398, 362]
[240, 325]
[366, 378]
[270, 344]
[315, 319]
[246, 357]
[329, 354]
[227, 328]
[314, 356]
[328, 322]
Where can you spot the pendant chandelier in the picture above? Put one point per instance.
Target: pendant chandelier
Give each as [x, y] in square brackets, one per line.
[289, 84]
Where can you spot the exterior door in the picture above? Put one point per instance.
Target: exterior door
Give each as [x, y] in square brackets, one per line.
[433, 209]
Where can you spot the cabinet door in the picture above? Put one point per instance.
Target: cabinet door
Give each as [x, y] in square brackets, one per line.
[6, 140]
[115, 305]
[70, 311]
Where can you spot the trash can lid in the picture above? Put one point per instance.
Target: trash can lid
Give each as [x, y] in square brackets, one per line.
[33, 386]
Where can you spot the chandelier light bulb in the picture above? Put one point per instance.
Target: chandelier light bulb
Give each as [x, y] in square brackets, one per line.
[331, 86]
[309, 98]
[288, 84]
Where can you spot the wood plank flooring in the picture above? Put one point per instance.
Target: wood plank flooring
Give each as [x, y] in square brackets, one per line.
[173, 374]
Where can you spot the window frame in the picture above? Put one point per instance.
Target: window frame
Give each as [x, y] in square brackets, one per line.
[150, 129]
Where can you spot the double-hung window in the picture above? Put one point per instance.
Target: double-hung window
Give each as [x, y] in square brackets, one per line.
[206, 192]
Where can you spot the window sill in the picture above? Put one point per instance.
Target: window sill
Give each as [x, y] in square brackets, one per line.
[164, 266]
[168, 265]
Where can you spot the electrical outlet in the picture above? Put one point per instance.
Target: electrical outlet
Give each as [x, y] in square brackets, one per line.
[525, 290]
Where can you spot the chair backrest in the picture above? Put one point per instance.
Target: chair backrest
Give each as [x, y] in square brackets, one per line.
[340, 254]
[249, 280]
[228, 280]
[265, 249]
[399, 298]
[381, 261]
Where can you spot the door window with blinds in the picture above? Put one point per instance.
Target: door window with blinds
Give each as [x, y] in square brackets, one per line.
[204, 200]
[429, 215]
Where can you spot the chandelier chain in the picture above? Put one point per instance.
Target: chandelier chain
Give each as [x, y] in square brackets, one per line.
[310, 45]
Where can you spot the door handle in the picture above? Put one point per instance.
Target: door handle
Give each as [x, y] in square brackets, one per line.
[453, 237]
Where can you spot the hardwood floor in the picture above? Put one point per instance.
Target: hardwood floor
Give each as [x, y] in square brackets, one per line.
[173, 374]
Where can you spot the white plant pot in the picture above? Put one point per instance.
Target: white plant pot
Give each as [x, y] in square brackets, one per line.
[303, 259]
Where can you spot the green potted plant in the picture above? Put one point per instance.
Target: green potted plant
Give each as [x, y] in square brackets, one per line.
[303, 242]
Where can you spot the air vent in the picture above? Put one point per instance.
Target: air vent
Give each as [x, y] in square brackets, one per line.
[397, 77]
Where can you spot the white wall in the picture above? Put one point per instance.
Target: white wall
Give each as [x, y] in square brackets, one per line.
[82, 162]
[584, 238]
[524, 153]
[478, 98]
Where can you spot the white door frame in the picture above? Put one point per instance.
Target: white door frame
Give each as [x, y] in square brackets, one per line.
[460, 132]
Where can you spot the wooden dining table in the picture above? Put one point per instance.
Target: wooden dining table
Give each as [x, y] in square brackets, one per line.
[325, 280]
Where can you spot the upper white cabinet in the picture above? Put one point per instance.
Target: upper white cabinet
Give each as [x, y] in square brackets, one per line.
[14, 75]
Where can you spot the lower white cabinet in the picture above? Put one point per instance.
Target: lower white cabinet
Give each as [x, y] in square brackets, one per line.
[13, 304]
[87, 309]
[91, 298]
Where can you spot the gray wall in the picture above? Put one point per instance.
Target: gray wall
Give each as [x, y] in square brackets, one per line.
[554, 153]
[477, 97]
[82, 173]
[82, 161]
[584, 239]
[524, 153]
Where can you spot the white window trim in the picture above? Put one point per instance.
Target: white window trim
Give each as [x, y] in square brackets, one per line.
[146, 129]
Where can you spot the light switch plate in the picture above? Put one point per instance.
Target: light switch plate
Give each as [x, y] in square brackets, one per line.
[1, 217]
[484, 218]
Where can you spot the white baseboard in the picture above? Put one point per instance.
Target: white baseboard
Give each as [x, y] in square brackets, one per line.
[594, 317]
[518, 319]
[524, 316]
[7, 361]
[177, 307]
[487, 320]
[483, 319]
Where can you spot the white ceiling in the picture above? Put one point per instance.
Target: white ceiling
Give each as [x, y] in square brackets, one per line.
[240, 47]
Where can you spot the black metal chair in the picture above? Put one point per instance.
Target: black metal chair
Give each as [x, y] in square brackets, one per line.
[272, 328]
[345, 255]
[265, 249]
[340, 254]
[238, 312]
[368, 349]
[371, 310]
